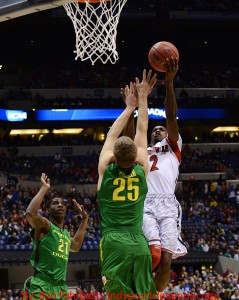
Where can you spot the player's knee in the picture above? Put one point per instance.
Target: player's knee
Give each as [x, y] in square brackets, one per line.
[156, 255]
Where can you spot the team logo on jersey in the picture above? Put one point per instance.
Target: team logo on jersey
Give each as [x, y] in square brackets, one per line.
[132, 174]
[156, 149]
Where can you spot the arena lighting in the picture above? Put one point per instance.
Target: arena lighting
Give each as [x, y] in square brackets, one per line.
[226, 128]
[28, 131]
[68, 131]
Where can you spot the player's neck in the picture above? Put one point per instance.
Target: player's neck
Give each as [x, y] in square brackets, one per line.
[59, 223]
[155, 142]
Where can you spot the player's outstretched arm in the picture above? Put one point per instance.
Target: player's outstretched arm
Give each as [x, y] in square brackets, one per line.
[171, 107]
[144, 88]
[78, 238]
[106, 154]
[33, 217]
[129, 129]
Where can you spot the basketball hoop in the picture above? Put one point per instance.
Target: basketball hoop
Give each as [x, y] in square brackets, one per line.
[95, 24]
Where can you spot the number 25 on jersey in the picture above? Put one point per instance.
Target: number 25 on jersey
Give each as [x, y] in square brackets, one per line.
[128, 184]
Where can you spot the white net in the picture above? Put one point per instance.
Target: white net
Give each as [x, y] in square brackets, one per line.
[95, 27]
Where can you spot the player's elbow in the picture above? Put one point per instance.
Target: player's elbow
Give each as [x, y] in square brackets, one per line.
[30, 215]
[77, 248]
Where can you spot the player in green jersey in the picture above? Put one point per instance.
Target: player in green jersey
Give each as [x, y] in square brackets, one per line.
[123, 165]
[52, 245]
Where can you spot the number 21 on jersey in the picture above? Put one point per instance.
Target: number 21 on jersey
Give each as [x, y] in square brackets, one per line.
[63, 246]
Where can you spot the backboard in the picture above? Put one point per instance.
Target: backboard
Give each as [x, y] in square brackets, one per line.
[10, 9]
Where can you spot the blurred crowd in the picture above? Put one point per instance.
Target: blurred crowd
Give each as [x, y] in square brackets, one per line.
[82, 169]
[210, 217]
[206, 5]
[68, 74]
[210, 220]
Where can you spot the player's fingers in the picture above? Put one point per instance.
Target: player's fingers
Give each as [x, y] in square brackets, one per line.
[154, 78]
[144, 75]
[131, 87]
[137, 80]
[149, 75]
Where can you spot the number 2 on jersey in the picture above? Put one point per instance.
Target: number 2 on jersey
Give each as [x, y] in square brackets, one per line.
[129, 184]
[154, 159]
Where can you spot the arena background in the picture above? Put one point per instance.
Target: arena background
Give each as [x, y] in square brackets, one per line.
[206, 39]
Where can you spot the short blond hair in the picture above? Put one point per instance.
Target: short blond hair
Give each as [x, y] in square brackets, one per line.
[125, 152]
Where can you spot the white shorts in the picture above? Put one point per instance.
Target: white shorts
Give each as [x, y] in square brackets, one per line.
[162, 223]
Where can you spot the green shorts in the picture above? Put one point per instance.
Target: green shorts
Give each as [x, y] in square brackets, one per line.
[42, 287]
[126, 266]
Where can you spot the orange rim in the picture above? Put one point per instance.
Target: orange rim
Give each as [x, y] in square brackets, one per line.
[91, 1]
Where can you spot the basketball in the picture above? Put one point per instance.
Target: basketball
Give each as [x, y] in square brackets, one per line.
[158, 54]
